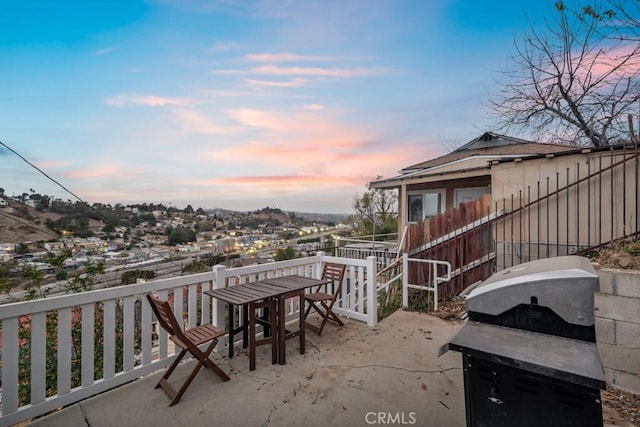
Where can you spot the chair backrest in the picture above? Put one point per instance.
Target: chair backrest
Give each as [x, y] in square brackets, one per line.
[335, 273]
[165, 315]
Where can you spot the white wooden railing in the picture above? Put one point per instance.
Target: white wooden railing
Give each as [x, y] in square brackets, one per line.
[432, 275]
[125, 319]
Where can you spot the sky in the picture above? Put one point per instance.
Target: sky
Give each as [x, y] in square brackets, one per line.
[241, 105]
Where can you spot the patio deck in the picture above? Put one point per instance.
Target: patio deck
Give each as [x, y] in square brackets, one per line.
[349, 376]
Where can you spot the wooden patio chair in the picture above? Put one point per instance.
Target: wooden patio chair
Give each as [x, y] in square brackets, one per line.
[189, 341]
[322, 302]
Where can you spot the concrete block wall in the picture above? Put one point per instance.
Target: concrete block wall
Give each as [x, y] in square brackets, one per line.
[617, 311]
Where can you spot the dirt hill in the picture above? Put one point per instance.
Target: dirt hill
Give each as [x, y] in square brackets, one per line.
[19, 223]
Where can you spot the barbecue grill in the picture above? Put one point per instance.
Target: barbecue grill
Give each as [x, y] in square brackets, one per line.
[529, 346]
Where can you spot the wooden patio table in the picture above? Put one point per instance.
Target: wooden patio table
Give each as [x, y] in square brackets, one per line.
[249, 294]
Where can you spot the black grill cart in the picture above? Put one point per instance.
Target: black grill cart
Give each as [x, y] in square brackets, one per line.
[528, 347]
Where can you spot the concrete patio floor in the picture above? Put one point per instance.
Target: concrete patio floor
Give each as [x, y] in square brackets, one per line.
[349, 376]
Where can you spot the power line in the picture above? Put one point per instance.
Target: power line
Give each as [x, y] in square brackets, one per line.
[54, 181]
[78, 198]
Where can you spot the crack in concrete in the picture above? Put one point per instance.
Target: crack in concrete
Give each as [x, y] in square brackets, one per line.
[436, 371]
[84, 415]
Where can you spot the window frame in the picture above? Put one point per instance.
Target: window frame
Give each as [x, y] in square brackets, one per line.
[443, 202]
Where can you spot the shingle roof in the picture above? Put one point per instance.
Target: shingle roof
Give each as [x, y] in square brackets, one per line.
[489, 145]
[524, 149]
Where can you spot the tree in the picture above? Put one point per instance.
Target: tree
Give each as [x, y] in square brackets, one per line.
[375, 212]
[180, 235]
[285, 254]
[575, 81]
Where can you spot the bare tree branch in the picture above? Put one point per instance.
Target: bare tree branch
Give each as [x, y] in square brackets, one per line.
[577, 80]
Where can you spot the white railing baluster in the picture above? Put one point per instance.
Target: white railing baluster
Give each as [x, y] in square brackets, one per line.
[163, 337]
[109, 337]
[128, 332]
[147, 331]
[10, 351]
[64, 350]
[217, 306]
[192, 305]
[88, 346]
[178, 304]
[38, 356]
[206, 303]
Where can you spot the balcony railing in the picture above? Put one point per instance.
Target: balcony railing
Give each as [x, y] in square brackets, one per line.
[62, 349]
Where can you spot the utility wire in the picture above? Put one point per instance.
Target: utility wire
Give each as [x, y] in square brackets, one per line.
[77, 197]
[54, 181]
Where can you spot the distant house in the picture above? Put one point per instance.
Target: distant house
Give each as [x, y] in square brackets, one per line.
[3, 202]
[7, 251]
[54, 246]
[34, 203]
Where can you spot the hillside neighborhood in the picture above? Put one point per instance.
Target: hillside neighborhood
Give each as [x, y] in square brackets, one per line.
[32, 234]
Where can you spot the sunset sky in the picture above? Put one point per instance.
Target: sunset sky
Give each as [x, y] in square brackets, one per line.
[243, 104]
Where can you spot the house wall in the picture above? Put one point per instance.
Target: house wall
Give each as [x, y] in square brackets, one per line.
[597, 210]
[617, 308]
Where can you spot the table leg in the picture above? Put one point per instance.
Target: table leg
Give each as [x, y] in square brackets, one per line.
[231, 329]
[282, 332]
[302, 338]
[252, 336]
[245, 322]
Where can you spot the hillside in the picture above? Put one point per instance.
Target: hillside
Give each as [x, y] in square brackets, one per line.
[16, 227]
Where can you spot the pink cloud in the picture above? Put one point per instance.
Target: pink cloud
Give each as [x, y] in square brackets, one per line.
[289, 182]
[100, 171]
[306, 129]
[149, 101]
[604, 64]
[316, 71]
[297, 82]
[192, 121]
[51, 164]
[286, 57]
[313, 107]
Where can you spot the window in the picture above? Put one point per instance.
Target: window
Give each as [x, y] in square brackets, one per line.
[467, 194]
[424, 205]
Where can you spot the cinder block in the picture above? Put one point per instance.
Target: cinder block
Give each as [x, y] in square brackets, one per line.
[620, 358]
[616, 307]
[627, 334]
[605, 330]
[606, 278]
[627, 284]
[609, 376]
[625, 380]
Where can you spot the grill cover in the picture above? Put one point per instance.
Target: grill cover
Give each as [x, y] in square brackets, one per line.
[564, 284]
[537, 317]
